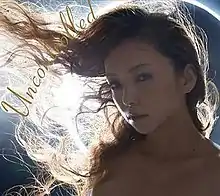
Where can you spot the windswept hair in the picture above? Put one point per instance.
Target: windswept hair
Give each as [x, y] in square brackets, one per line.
[81, 157]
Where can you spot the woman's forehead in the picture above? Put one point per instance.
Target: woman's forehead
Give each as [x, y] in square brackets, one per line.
[129, 55]
[126, 51]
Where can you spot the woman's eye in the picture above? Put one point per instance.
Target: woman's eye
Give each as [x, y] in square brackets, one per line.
[143, 77]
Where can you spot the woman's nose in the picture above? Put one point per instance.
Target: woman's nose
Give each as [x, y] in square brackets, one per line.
[129, 97]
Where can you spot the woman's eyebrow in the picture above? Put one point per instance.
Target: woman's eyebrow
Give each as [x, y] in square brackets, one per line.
[138, 66]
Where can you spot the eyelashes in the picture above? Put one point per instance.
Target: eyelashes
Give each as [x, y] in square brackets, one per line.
[140, 78]
[144, 77]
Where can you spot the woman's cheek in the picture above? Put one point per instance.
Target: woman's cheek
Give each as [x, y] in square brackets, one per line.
[120, 107]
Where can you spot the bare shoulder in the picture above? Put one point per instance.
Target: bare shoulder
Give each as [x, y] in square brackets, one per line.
[107, 185]
[115, 180]
[106, 188]
[212, 170]
[215, 165]
[213, 175]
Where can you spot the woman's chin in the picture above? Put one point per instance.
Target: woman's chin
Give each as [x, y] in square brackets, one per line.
[140, 130]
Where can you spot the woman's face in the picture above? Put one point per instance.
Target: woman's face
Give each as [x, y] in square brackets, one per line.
[141, 76]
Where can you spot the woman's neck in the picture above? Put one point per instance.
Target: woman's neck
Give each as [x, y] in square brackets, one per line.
[177, 139]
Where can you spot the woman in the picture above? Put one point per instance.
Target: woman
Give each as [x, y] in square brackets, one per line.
[153, 62]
